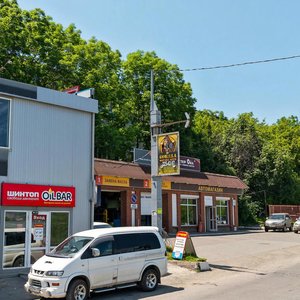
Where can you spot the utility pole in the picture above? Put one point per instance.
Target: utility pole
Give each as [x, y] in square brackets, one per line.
[156, 181]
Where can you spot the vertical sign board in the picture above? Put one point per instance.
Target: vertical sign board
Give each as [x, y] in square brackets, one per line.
[134, 206]
[168, 154]
[179, 246]
[183, 244]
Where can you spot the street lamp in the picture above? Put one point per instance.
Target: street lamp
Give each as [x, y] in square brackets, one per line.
[156, 181]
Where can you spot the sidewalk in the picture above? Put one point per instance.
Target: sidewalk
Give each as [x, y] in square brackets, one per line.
[12, 288]
[241, 230]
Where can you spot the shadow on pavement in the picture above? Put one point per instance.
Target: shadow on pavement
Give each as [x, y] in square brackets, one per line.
[236, 269]
[12, 288]
[134, 293]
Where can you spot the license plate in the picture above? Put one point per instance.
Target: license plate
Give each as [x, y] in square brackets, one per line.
[34, 290]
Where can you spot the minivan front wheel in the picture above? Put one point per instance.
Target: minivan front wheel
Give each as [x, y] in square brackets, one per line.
[77, 290]
[149, 280]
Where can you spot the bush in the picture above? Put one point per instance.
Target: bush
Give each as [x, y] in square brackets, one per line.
[248, 211]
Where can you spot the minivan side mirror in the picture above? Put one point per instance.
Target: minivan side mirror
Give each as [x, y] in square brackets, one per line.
[95, 252]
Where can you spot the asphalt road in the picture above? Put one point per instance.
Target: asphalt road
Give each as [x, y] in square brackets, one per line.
[255, 265]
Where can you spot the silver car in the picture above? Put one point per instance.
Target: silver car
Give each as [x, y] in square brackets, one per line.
[296, 227]
[280, 221]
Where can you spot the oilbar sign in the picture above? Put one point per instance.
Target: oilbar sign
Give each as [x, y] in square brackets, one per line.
[37, 195]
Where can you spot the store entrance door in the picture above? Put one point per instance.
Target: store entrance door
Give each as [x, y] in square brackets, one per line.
[211, 218]
[109, 210]
[26, 238]
[40, 241]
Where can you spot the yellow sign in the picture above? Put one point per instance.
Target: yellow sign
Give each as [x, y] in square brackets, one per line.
[166, 185]
[168, 154]
[115, 181]
[159, 211]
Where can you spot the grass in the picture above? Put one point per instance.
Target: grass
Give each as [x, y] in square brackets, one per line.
[186, 257]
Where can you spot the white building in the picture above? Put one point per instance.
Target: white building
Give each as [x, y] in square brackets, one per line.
[46, 170]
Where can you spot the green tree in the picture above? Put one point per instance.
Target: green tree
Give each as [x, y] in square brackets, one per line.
[241, 144]
[209, 129]
[172, 95]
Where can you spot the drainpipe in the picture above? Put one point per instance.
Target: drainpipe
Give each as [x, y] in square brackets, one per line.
[93, 192]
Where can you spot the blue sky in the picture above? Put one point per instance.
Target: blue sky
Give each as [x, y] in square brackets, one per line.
[198, 33]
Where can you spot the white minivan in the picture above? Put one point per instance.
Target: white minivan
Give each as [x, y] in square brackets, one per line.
[98, 260]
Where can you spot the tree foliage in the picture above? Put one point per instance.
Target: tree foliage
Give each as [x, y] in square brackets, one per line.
[36, 50]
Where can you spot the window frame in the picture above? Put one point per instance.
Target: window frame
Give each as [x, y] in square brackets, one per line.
[50, 227]
[218, 210]
[187, 206]
[9, 122]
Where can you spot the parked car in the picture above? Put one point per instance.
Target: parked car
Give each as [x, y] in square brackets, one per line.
[98, 260]
[296, 226]
[98, 225]
[280, 221]
[14, 248]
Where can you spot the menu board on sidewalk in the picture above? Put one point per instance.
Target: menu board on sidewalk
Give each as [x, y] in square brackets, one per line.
[183, 244]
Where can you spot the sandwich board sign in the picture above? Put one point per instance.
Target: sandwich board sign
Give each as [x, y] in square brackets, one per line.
[183, 244]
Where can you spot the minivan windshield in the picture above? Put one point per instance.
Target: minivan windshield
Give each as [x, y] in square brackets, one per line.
[70, 246]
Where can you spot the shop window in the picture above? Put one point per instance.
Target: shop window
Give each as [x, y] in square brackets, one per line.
[188, 209]
[4, 135]
[59, 227]
[222, 212]
[14, 239]
[3, 161]
[4, 122]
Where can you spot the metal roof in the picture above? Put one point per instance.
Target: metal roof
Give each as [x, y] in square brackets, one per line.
[105, 167]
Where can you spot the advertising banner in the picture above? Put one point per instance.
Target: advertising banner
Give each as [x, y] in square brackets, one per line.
[183, 245]
[179, 246]
[189, 164]
[168, 154]
[13, 194]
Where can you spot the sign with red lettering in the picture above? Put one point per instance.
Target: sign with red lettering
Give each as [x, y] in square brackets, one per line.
[180, 241]
[73, 89]
[183, 245]
[37, 195]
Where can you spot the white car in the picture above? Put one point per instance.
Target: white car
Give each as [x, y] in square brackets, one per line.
[280, 221]
[296, 226]
[98, 260]
[14, 248]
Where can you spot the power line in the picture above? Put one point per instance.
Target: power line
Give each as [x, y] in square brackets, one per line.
[241, 64]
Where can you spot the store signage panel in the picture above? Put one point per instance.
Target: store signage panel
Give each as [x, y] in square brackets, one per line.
[143, 157]
[166, 185]
[112, 181]
[215, 189]
[37, 195]
[189, 164]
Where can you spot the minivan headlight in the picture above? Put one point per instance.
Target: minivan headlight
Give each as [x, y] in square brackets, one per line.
[54, 273]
